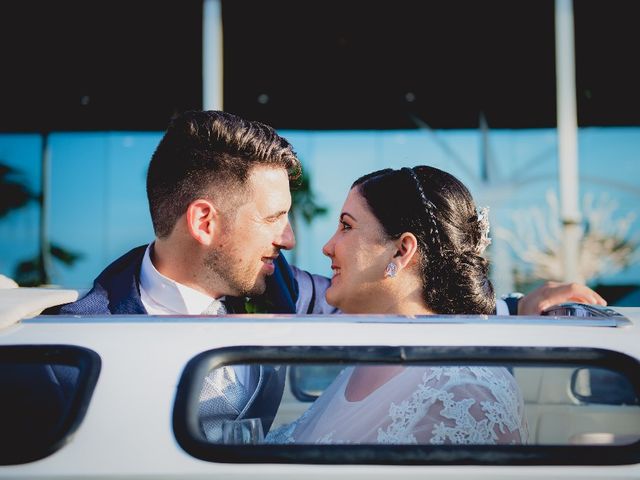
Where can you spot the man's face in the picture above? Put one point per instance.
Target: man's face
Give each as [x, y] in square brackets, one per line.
[250, 242]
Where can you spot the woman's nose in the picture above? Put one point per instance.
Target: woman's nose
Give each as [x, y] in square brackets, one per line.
[328, 248]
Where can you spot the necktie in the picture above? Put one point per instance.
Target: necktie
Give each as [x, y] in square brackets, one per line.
[216, 307]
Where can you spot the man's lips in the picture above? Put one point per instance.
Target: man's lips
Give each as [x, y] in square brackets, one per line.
[269, 264]
[335, 270]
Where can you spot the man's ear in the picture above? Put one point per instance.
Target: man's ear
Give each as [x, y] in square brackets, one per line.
[203, 219]
[407, 247]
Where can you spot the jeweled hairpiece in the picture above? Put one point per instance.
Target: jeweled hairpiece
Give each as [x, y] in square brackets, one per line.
[429, 207]
[483, 225]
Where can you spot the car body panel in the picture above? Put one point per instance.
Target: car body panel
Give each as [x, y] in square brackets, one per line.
[127, 431]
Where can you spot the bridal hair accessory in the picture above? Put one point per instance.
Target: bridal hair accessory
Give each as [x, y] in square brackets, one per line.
[429, 207]
[391, 270]
[483, 226]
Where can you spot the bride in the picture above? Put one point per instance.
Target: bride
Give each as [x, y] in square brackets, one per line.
[409, 242]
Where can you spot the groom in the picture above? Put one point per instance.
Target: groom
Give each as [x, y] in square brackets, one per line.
[219, 196]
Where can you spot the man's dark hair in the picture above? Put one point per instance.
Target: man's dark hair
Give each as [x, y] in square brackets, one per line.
[439, 210]
[206, 153]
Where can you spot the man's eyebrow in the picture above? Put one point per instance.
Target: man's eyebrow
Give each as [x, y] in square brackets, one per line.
[347, 214]
[277, 214]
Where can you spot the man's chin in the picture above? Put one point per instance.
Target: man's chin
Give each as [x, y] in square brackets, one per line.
[257, 289]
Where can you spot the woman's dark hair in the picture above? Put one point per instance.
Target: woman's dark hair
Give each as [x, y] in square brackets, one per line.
[439, 210]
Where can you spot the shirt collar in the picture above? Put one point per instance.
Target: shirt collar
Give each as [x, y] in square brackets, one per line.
[170, 294]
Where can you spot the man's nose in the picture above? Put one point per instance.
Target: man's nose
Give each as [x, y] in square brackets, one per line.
[287, 239]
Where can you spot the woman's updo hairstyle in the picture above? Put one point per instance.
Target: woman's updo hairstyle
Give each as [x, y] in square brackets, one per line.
[439, 210]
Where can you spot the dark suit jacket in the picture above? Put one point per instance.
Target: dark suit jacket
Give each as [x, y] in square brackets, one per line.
[117, 291]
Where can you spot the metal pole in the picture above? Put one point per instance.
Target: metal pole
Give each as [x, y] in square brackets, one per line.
[44, 264]
[212, 55]
[567, 140]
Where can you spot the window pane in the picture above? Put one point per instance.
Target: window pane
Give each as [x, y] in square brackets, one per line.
[45, 393]
[429, 405]
[410, 405]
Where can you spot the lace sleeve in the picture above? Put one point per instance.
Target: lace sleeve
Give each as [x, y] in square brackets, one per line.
[459, 405]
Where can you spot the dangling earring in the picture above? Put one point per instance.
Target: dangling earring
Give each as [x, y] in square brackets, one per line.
[391, 270]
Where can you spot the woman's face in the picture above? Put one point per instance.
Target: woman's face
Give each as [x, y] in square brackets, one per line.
[359, 254]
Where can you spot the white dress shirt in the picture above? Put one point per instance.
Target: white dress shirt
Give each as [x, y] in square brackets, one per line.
[162, 296]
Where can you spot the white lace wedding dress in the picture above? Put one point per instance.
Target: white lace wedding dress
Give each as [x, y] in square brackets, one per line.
[423, 405]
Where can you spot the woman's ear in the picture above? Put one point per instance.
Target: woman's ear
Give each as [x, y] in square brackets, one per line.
[407, 247]
[202, 221]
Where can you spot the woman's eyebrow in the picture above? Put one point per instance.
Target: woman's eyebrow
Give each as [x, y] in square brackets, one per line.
[347, 214]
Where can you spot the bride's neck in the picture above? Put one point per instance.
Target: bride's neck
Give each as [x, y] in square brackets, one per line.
[408, 308]
[404, 301]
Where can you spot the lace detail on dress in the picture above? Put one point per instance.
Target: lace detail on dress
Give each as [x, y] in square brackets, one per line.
[284, 434]
[455, 423]
[436, 405]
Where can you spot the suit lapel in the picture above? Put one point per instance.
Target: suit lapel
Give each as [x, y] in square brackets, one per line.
[266, 399]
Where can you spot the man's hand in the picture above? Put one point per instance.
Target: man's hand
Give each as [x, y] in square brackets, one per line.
[552, 293]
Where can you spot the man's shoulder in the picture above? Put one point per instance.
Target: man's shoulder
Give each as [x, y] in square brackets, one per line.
[115, 290]
[129, 262]
[311, 293]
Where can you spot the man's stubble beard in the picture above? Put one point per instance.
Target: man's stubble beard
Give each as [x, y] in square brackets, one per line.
[221, 267]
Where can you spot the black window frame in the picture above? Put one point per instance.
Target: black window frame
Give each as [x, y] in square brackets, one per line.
[89, 365]
[190, 438]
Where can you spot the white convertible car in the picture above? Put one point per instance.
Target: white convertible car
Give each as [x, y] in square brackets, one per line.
[117, 397]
